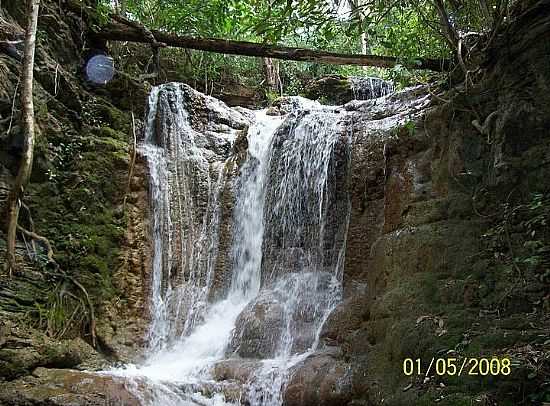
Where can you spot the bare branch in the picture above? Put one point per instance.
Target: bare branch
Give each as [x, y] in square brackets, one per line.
[449, 31]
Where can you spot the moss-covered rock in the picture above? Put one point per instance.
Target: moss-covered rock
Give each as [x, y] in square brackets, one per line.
[446, 239]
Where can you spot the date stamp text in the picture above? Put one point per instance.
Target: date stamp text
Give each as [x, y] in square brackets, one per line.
[457, 366]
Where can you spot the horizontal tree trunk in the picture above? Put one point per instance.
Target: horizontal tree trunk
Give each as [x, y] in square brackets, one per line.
[118, 32]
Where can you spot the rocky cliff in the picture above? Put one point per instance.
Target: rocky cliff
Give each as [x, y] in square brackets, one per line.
[448, 247]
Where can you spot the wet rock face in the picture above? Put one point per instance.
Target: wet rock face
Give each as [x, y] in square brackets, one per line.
[373, 126]
[346, 317]
[426, 186]
[259, 327]
[235, 370]
[206, 115]
[192, 149]
[311, 230]
[408, 223]
[377, 125]
[124, 341]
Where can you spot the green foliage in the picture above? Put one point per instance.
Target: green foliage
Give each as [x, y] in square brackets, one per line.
[63, 313]
[534, 218]
[410, 127]
[526, 222]
[405, 29]
[407, 129]
[194, 17]
[294, 23]
[252, 19]
[102, 12]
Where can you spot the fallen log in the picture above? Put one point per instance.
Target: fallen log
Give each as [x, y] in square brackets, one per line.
[119, 32]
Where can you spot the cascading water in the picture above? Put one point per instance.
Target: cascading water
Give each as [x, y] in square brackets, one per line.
[185, 234]
[303, 245]
[365, 88]
[249, 210]
[289, 229]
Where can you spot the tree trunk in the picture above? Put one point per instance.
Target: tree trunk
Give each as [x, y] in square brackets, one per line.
[359, 11]
[27, 112]
[123, 32]
[272, 77]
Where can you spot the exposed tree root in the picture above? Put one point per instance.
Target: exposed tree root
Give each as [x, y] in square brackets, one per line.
[63, 274]
[30, 220]
[485, 128]
[89, 303]
[90, 306]
[40, 238]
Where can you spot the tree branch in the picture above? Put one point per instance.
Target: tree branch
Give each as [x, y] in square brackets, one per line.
[155, 45]
[118, 32]
[448, 29]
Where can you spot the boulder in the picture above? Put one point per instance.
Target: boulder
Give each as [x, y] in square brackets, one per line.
[63, 387]
[258, 328]
[235, 369]
[22, 349]
[320, 380]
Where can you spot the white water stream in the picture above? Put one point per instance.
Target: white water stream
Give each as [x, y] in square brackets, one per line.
[289, 227]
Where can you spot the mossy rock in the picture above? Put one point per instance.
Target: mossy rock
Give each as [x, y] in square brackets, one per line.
[112, 117]
[108, 132]
[128, 94]
[77, 209]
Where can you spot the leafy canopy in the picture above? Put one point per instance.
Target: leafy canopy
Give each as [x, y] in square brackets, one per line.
[406, 29]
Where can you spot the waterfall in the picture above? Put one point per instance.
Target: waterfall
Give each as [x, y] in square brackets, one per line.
[185, 235]
[289, 226]
[303, 242]
[365, 88]
[249, 210]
